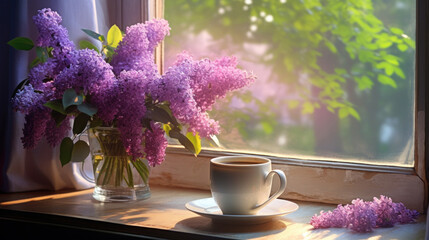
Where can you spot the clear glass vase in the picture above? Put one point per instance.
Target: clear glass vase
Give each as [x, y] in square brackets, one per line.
[117, 176]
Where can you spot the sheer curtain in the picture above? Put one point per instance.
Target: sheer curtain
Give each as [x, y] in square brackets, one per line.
[40, 168]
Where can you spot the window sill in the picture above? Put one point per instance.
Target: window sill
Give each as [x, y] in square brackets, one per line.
[162, 216]
[325, 183]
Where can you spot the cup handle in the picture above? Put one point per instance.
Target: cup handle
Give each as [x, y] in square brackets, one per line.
[83, 173]
[282, 188]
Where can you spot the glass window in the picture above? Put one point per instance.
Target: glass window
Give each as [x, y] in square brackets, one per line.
[335, 78]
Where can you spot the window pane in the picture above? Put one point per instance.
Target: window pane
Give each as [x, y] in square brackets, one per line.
[335, 78]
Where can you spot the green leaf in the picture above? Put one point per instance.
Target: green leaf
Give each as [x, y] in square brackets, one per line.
[396, 31]
[410, 42]
[42, 54]
[109, 51]
[343, 112]
[329, 108]
[114, 36]
[56, 105]
[387, 66]
[175, 133]
[94, 35]
[71, 109]
[159, 115]
[166, 128]
[399, 72]
[384, 43]
[166, 108]
[389, 69]
[331, 46]
[49, 49]
[66, 149]
[58, 117]
[307, 108]
[366, 56]
[383, 79]
[21, 43]
[80, 122]
[354, 113]
[87, 44]
[392, 59]
[80, 151]
[146, 124]
[195, 140]
[364, 82]
[87, 108]
[266, 126]
[20, 86]
[402, 47]
[346, 111]
[340, 71]
[70, 97]
[35, 62]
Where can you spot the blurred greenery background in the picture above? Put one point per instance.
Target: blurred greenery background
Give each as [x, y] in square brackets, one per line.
[335, 78]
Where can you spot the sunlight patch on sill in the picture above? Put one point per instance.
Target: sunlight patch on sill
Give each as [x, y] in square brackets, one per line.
[46, 197]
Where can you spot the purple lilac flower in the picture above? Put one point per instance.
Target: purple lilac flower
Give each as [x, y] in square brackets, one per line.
[40, 89]
[26, 99]
[42, 75]
[53, 34]
[88, 72]
[156, 29]
[30, 102]
[34, 127]
[135, 51]
[363, 216]
[192, 87]
[405, 215]
[131, 109]
[55, 133]
[335, 218]
[155, 145]
[212, 80]
[174, 87]
[385, 210]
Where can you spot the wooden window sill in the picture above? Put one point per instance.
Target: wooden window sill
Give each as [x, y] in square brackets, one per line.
[75, 213]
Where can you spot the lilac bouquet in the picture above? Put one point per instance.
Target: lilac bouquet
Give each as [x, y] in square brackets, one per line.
[118, 86]
[363, 216]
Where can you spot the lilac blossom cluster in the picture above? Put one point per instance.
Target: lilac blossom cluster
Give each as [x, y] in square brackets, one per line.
[53, 34]
[364, 216]
[193, 86]
[135, 51]
[119, 89]
[129, 115]
[40, 88]
[155, 145]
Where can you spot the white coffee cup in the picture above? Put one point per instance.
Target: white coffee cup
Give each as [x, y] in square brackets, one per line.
[241, 185]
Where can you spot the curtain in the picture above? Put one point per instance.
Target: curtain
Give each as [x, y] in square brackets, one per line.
[40, 168]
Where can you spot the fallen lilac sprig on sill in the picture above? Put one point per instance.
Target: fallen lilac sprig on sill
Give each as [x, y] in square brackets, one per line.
[363, 216]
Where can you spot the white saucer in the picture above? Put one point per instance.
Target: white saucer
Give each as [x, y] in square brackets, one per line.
[207, 207]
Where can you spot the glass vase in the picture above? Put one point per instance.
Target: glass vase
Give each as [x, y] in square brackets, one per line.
[117, 176]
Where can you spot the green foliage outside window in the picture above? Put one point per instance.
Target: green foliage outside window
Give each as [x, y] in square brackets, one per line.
[347, 56]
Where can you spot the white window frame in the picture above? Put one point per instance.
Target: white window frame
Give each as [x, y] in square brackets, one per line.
[316, 180]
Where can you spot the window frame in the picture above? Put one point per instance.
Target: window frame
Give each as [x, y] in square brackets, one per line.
[342, 181]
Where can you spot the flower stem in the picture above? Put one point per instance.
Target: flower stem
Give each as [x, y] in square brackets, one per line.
[116, 165]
